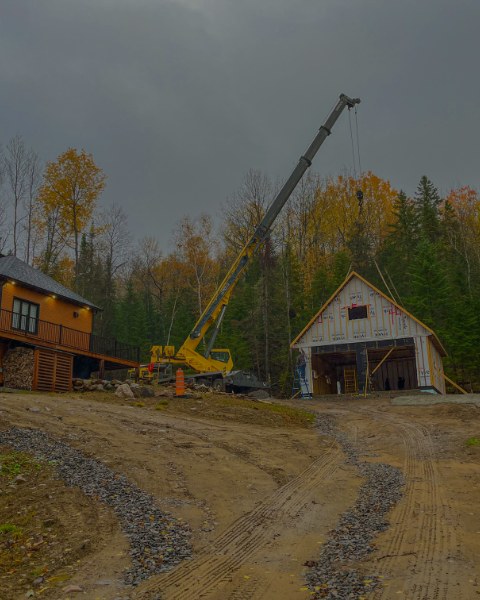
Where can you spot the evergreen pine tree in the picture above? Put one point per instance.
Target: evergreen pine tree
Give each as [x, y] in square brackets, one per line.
[427, 205]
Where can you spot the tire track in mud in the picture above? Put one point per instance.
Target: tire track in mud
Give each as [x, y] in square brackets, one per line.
[423, 504]
[214, 566]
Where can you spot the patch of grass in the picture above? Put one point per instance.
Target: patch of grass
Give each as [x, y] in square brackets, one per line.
[244, 410]
[16, 463]
[161, 404]
[39, 571]
[139, 404]
[473, 441]
[14, 530]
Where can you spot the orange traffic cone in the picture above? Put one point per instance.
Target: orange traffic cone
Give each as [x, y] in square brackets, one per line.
[180, 384]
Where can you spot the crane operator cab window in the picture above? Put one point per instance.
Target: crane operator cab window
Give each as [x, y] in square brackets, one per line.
[221, 355]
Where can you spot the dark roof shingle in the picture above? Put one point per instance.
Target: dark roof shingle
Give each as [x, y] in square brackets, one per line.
[13, 268]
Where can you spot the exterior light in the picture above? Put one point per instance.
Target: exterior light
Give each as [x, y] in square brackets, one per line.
[53, 296]
[12, 282]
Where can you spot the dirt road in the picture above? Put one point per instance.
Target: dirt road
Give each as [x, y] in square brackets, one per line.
[261, 497]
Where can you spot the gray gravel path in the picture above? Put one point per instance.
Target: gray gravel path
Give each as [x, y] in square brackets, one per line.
[157, 540]
[333, 575]
[431, 399]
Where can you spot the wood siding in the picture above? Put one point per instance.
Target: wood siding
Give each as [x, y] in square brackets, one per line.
[384, 320]
[52, 371]
[52, 310]
[436, 369]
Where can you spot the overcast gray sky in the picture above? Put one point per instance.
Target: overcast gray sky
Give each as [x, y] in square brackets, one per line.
[177, 99]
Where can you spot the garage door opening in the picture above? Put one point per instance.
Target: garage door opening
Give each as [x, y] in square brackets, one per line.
[388, 369]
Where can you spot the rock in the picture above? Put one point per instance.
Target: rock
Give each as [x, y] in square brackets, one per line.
[72, 588]
[30, 594]
[201, 387]
[98, 387]
[34, 409]
[143, 391]
[157, 540]
[20, 479]
[38, 581]
[124, 391]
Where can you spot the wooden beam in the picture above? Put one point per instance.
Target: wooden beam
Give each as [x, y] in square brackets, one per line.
[366, 378]
[124, 362]
[383, 360]
[455, 385]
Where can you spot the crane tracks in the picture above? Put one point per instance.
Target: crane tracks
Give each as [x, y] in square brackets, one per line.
[433, 541]
[214, 566]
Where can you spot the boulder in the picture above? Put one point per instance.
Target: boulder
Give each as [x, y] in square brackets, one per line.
[143, 391]
[124, 391]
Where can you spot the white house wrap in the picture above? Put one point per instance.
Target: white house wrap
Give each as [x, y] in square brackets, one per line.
[362, 336]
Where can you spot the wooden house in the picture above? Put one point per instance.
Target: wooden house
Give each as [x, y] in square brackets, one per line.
[360, 337]
[46, 334]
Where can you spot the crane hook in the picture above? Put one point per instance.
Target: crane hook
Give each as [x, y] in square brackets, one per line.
[359, 195]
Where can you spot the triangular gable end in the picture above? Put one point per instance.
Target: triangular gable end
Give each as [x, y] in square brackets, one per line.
[357, 291]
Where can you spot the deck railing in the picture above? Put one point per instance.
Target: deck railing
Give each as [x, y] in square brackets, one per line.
[37, 330]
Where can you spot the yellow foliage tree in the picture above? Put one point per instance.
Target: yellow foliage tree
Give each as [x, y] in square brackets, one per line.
[465, 240]
[196, 248]
[323, 223]
[68, 195]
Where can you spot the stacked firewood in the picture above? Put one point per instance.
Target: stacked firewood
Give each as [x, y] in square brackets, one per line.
[18, 366]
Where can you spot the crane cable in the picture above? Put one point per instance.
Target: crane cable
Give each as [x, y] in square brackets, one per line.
[352, 143]
[358, 142]
[359, 192]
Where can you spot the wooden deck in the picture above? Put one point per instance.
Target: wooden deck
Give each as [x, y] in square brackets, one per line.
[14, 326]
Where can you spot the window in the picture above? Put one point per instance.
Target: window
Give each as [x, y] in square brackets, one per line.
[25, 315]
[357, 312]
[222, 356]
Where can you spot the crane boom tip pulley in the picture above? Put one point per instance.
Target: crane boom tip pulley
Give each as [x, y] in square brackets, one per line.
[350, 102]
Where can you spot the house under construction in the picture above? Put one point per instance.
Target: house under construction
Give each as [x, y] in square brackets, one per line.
[362, 338]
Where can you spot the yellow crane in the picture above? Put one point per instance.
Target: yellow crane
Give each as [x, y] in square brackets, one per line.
[215, 364]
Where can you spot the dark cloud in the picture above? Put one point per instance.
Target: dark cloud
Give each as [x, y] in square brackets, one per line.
[177, 100]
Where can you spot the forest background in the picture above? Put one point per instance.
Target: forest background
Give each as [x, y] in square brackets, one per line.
[424, 251]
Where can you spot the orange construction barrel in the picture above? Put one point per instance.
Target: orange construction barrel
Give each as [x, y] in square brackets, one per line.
[179, 384]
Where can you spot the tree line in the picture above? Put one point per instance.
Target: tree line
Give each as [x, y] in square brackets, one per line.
[423, 250]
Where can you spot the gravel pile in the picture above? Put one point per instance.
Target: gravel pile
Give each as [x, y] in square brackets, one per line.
[333, 575]
[157, 540]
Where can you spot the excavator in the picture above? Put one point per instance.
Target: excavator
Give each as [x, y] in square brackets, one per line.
[214, 366]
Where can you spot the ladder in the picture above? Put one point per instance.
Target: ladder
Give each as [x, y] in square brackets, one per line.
[300, 384]
[350, 381]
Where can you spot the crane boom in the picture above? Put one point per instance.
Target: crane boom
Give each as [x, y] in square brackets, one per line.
[215, 310]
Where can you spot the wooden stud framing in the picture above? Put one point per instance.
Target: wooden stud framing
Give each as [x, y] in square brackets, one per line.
[455, 385]
[383, 360]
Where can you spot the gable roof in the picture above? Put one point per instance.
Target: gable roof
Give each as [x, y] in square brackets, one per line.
[349, 277]
[15, 269]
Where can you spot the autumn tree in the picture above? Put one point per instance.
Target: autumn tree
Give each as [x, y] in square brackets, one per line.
[21, 172]
[196, 248]
[68, 196]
